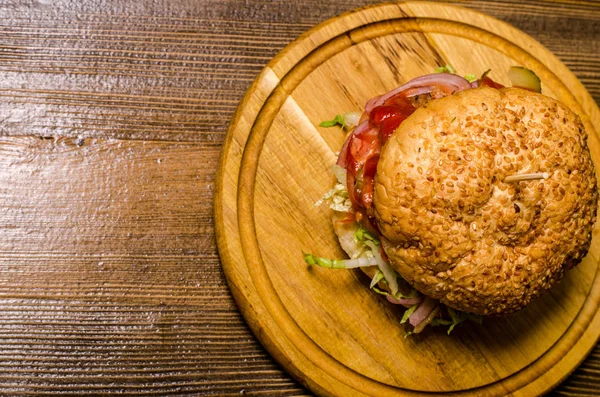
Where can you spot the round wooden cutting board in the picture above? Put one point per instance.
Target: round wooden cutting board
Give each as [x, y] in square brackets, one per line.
[325, 326]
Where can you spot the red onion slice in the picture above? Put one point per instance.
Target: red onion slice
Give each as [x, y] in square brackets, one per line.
[343, 157]
[449, 83]
[406, 302]
[423, 311]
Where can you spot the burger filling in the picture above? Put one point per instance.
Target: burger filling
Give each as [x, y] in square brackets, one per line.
[352, 196]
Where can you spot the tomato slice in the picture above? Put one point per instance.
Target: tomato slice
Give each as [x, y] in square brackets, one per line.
[362, 145]
[360, 153]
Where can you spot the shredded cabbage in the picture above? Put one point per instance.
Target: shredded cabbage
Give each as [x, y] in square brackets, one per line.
[445, 69]
[449, 69]
[339, 263]
[376, 279]
[346, 120]
[456, 317]
[386, 269]
[380, 291]
[351, 119]
[340, 174]
[361, 235]
[337, 197]
[470, 77]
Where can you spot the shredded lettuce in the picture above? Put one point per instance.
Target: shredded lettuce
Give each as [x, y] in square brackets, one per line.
[337, 120]
[340, 174]
[456, 317]
[379, 277]
[351, 119]
[345, 120]
[361, 235]
[337, 197]
[390, 275]
[380, 291]
[443, 321]
[338, 263]
[408, 313]
[412, 294]
[445, 69]
[376, 279]
[449, 69]
[470, 77]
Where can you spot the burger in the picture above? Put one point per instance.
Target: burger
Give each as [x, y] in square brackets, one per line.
[463, 198]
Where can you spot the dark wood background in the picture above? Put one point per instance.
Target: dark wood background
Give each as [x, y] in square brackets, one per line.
[112, 118]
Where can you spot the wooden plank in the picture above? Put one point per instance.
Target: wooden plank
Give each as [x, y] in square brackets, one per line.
[269, 212]
[112, 72]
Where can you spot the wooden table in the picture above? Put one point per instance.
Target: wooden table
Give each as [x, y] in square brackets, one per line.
[112, 117]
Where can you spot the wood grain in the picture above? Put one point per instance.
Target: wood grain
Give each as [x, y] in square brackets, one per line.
[130, 298]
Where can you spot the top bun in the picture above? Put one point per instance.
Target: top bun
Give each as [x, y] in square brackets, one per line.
[450, 223]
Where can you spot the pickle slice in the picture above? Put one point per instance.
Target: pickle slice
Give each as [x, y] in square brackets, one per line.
[524, 78]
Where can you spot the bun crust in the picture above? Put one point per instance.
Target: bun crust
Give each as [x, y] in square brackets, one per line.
[451, 225]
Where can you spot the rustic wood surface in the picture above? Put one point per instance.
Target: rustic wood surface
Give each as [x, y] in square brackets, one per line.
[113, 118]
[323, 326]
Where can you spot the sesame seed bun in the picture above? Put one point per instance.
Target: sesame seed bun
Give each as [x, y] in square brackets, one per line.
[455, 229]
